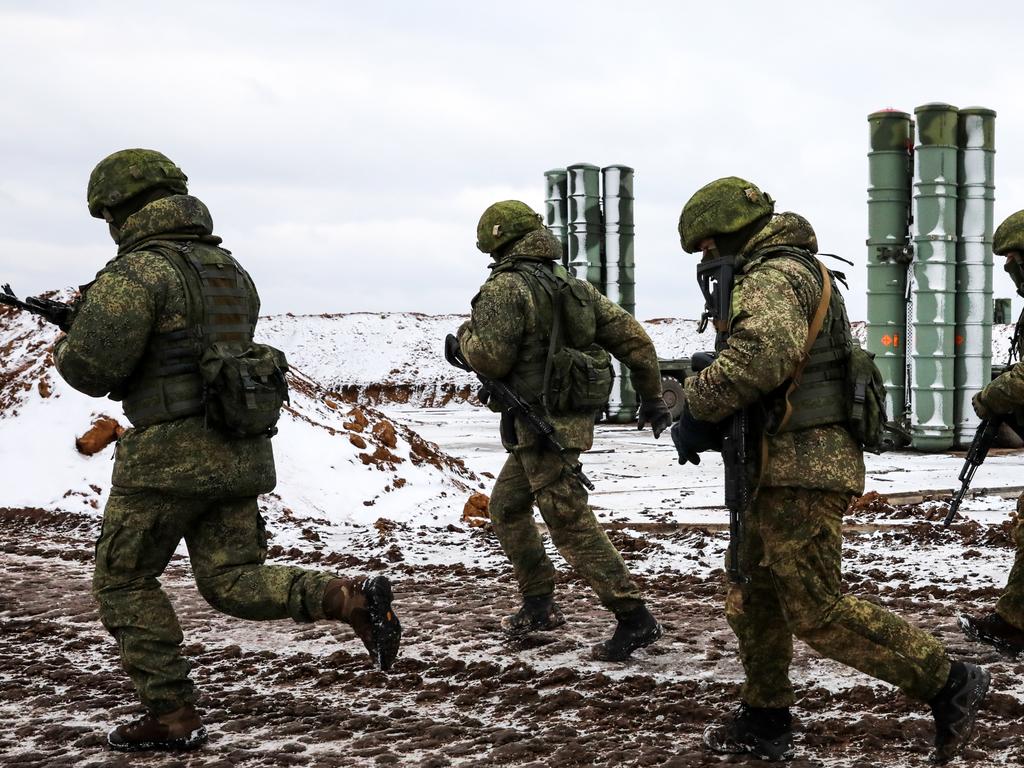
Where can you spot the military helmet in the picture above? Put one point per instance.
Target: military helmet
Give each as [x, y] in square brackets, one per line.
[504, 223]
[1009, 235]
[720, 208]
[130, 172]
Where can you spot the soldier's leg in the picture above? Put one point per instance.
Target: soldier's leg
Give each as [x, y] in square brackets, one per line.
[228, 549]
[576, 533]
[511, 511]
[1011, 604]
[140, 532]
[755, 615]
[802, 533]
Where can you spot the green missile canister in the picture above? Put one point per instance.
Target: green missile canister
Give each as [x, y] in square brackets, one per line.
[890, 168]
[619, 275]
[556, 208]
[975, 213]
[933, 279]
[585, 224]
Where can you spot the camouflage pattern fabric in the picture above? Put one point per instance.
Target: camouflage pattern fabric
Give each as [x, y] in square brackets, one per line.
[135, 295]
[227, 548]
[1011, 604]
[530, 475]
[773, 304]
[1004, 395]
[791, 556]
[504, 314]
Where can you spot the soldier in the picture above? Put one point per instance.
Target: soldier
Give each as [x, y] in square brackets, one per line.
[790, 551]
[545, 334]
[136, 336]
[1004, 398]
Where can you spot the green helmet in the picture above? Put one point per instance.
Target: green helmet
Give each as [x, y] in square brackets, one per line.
[130, 172]
[505, 222]
[720, 208]
[1009, 235]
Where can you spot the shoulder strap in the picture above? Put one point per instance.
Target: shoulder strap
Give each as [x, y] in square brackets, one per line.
[812, 333]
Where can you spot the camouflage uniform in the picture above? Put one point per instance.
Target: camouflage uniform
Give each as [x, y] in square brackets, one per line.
[174, 479]
[505, 312]
[1004, 396]
[793, 532]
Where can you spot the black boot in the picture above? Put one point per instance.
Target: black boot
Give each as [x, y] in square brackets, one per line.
[636, 629]
[765, 733]
[955, 709]
[992, 629]
[537, 614]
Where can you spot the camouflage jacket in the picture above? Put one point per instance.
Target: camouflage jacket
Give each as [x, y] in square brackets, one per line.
[1004, 395]
[773, 304]
[139, 293]
[504, 313]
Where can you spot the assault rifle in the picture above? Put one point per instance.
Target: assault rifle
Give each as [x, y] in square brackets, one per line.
[511, 402]
[736, 457]
[56, 312]
[976, 455]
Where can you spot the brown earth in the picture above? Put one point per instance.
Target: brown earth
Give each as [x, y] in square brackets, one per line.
[281, 694]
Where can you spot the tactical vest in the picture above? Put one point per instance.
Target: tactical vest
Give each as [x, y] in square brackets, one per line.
[823, 396]
[550, 287]
[167, 384]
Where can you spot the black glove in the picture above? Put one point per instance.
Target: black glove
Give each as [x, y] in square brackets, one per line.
[655, 413]
[693, 437]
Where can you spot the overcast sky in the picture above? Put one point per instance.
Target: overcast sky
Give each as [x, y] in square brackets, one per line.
[347, 149]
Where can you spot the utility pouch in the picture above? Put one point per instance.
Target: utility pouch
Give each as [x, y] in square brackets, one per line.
[244, 388]
[866, 392]
[580, 380]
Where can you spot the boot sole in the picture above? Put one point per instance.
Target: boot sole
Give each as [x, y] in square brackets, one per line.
[1003, 646]
[384, 625]
[547, 626]
[978, 697]
[194, 741]
[770, 752]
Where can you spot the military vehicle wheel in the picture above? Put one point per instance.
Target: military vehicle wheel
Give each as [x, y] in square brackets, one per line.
[672, 391]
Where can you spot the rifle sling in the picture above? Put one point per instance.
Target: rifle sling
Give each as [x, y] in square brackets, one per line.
[812, 334]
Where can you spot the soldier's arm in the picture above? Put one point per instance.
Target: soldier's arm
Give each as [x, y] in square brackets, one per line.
[109, 335]
[1005, 393]
[490, 340]
[771, 310]
[624, 337]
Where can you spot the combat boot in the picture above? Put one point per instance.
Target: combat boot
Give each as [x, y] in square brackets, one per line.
[636, 629]
[955, 709]
[994, 630]
[765, 733]
[539, 613]
[366, 606]
[178, 730]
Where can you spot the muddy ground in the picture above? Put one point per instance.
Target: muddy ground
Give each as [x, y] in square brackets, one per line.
[280, 694]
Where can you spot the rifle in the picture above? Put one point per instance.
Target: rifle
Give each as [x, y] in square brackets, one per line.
[512, 403]
[56, 312]
[736, 457]
[976, 455]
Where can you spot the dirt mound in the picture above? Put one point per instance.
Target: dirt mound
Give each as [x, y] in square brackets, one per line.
[103, 432]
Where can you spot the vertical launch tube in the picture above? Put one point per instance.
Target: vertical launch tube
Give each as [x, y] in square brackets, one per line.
[620, 279]
[556, 208]
[585, 230]
[933, 279]
[973, 340]
[890, 167]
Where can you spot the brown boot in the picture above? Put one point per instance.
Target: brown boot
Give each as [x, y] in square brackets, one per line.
[366, 606]
[178, 730]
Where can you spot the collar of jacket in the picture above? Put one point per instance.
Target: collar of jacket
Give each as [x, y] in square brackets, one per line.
[178, 217]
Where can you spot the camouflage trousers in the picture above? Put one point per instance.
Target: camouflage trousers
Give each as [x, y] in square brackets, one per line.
[1011, 603]
[791, 557]
[227, 547]
[539, 476]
